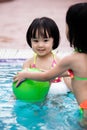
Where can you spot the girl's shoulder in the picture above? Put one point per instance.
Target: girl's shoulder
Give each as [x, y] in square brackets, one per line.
[28, 62]
[72, 59]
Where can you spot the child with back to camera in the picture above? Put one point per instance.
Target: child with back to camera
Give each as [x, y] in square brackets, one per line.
[43, 37]
[76, 63]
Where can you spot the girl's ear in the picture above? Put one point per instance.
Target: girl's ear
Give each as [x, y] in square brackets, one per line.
[67, 31]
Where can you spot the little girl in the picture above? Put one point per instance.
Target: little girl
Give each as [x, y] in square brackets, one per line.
[43, 37]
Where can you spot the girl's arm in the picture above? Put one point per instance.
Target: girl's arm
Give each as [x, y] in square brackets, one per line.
[60, 68]
[65, 74]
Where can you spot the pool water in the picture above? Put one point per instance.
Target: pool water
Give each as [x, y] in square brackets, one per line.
[58, 112]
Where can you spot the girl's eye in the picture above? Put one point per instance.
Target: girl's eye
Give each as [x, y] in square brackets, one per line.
[35, 40]
[45, 40]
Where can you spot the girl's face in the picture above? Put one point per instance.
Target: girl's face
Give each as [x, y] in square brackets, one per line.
[42, 46]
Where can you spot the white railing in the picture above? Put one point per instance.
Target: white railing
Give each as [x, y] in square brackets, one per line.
[24, 53]
[15, 53]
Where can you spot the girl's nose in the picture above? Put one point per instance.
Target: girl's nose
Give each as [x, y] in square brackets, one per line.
[40, 43]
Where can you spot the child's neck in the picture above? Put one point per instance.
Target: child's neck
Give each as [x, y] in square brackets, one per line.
[49, 55]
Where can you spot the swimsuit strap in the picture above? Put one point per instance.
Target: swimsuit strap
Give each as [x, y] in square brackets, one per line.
[83, 105]
[34, 64]
[57, 79]
[54, 60]
[78, 50]
[75, 77]
[80, 78]
[70, 72]
[35, 56]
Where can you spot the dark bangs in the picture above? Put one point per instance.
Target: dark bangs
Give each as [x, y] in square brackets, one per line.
[40, 32]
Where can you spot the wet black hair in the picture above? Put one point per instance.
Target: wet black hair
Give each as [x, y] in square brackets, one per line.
[76, 19]
[46, 28]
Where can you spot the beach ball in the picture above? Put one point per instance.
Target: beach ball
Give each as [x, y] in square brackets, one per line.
[31, 90]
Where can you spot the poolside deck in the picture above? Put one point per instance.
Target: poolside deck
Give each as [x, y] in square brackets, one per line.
[16, 16]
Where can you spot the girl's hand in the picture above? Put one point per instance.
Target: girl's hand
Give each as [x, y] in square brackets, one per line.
[19, 78]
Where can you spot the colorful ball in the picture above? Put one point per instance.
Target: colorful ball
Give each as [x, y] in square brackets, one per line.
[31, 90]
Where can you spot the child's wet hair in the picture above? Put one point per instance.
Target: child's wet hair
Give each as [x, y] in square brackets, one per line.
[76, 19]
[45, 28]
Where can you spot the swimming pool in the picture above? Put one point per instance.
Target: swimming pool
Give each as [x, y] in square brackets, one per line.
[58, 112]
